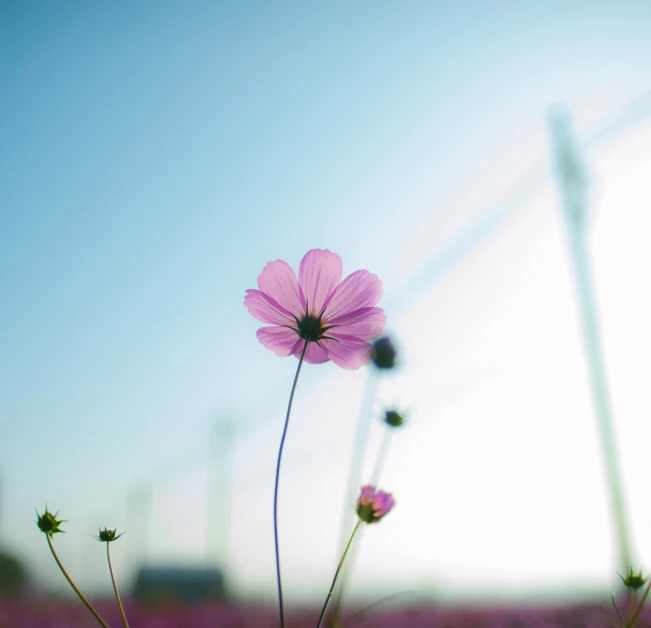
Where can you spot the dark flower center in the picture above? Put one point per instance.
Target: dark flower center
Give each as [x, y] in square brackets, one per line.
[310, 329]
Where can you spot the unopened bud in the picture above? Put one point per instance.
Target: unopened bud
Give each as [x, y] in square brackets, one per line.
[106, 536]
[372, 504]
[633, 581]
[48, 523]
[383, 353]
[393, 418]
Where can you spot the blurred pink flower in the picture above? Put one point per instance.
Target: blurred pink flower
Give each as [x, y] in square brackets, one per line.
[372, 505]
[337, 319]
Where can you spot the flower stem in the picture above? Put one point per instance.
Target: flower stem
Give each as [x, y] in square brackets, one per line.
[619, 614]
[629, 608]
[280, 453]
[74, 587]
[115, 588]
[376, 604]
[355, 472]
[630, 623]
[375, 476]
[334, 580]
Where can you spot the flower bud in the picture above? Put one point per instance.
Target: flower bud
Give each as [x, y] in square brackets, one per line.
[383, 353]
[633, 581]
[372, 505]
[393, 418]
[48, 523]
[106, 536]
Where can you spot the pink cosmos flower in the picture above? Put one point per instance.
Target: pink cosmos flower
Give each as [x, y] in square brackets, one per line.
[372, 505]
[337, 319]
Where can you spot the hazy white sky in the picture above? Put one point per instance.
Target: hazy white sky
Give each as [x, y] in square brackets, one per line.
[156, 157]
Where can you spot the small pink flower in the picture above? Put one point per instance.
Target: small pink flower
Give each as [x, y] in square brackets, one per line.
[337, 319]
[372, 505]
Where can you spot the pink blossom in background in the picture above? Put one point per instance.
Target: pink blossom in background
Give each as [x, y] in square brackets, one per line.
[372, 505]
[337, 319]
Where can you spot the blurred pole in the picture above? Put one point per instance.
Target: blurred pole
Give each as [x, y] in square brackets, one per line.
[572, 188]
[218, 499]
[381, 457]
[357, 461]
[139, 519]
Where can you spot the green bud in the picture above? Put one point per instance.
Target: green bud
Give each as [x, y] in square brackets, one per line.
[383, 353]
[633, 581]
[48, 523]
[393, 418]
[106, 535]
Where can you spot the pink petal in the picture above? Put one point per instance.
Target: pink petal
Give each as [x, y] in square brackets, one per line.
[278, 281]
[365, 324]
[318, 276]
[382, 503]
[314, 354]
[280, 340]
[265, 309]
[348, 352]
[367, 495]
[361, 289]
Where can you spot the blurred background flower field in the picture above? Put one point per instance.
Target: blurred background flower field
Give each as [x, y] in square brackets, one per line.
[155, 155]
[62, 615]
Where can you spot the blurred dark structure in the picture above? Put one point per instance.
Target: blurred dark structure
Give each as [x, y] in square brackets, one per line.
[13, 575]
[179, 584]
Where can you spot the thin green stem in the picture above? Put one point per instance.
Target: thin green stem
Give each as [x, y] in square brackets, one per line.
[638, 610]
[115, 588]
[366, 609]
[375, 477]
[355, 473]
[629, 607]
[74, 587]
[345, 576]
[280, 453]
[334, 580]
[619, 615]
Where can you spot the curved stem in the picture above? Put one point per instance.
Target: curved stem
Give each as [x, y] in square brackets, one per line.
[74, 587]
[115, 588]
[334, 580]
[280, 453]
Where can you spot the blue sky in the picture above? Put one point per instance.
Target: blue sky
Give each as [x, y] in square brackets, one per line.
[156, 155]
